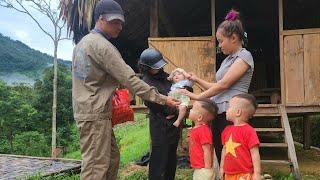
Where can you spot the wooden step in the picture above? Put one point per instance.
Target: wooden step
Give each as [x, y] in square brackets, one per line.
[286, 162]
[273, 145]
[269, 129]
[267, 115]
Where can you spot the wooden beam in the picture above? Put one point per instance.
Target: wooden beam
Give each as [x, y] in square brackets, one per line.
[269, 129]
[201, 38]
[154, 20]
[281, 145]
[213, 18]
[267, 113]
[280, 6]
[271, 110]
[306, 131]
[275, 162]
[165, 18]
[289, 140]
[302, 109]
[282, 65]
[213, 32]
[301, 31]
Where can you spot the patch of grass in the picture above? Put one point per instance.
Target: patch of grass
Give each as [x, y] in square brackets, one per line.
[282, 176]
[184, 174]
[132, 140]
[137, 175]
[73, 155]
[132, 171]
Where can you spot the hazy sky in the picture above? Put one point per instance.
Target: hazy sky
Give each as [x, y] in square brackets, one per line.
[21, 27]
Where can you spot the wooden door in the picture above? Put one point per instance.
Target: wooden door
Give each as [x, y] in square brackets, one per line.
[301, 56]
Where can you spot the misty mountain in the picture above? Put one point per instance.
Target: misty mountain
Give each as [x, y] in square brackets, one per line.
[21, 64]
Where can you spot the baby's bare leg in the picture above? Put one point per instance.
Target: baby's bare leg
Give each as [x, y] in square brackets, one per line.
[181, 116]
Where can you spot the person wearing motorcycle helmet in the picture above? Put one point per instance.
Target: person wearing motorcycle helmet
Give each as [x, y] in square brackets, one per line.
[152, 59]
[97, 70]
[164, 136]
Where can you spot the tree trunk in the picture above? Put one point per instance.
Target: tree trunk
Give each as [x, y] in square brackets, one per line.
[10, 138]
[54, 102]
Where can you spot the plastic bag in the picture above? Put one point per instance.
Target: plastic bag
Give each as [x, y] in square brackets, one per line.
[121, 111]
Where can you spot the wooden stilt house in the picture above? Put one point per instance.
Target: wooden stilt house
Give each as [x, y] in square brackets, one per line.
[284, 39]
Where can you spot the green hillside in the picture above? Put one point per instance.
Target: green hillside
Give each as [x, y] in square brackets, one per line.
[17, 57]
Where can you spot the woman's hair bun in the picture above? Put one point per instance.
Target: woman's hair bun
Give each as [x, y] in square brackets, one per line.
[232, 15]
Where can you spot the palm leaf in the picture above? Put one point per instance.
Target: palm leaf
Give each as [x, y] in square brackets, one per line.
[78, 15]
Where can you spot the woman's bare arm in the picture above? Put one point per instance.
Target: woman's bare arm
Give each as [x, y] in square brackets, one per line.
[203, 83]
[235, 72]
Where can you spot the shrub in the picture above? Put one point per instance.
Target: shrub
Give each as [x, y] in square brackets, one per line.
[31, 143]
[4, 146]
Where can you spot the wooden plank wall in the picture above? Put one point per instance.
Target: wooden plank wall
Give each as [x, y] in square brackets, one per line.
[312, 68]
[293, 58]
[302, 69]
[194, 54]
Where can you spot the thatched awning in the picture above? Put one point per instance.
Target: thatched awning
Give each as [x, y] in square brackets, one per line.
[193, 18]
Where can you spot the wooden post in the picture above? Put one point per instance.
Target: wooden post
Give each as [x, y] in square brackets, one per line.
[213, 31]
[282, 65]
[154, 10]
[165, 19]
[213, 19]
[306, 131]
[154, 32]
[213, 34]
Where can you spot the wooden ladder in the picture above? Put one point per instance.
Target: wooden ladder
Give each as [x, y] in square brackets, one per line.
[277, 110]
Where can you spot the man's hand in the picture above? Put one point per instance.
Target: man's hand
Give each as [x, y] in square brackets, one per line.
[172, 102]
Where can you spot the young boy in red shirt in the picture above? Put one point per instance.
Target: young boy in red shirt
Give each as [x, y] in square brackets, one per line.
[240, 158]
[200, 139]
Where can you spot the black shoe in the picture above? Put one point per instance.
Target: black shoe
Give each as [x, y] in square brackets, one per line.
[183, 162]
[144, 160]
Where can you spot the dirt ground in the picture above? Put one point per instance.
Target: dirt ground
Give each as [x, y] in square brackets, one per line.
[309, 164]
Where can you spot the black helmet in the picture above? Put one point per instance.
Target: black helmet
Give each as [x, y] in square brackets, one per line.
[151, 59]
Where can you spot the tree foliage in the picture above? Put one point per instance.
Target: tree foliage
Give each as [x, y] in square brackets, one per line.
[26, 114]
[31, 143]
[16, 110]
[49, 10]
[43, 90]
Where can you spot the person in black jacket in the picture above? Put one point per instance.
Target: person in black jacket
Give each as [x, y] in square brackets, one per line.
[164, 136]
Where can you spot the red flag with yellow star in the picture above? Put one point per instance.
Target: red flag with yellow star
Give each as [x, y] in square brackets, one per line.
[238, 141]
